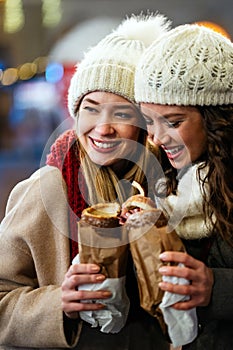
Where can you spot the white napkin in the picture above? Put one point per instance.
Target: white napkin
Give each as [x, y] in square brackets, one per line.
[113, 318]
[182, 324]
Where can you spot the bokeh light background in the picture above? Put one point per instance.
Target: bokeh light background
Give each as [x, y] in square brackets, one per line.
[40, 43]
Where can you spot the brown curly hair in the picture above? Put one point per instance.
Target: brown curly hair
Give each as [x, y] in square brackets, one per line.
[218, 202]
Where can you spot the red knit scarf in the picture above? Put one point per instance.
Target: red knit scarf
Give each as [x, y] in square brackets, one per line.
[65, 156]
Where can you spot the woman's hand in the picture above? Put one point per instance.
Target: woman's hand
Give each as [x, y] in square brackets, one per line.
[125, 213]
[134, 204]
[72, 298]
[200, 276]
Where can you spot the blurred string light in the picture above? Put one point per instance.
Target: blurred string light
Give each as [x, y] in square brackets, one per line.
[53, 72]
[51, 12]
[14, 21]
[13, 16]
[9, 76]
[27, 71]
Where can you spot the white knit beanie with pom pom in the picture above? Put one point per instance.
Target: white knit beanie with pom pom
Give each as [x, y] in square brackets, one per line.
[110, 65]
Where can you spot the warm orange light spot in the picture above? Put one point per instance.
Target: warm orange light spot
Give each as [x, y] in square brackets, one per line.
[214, 26]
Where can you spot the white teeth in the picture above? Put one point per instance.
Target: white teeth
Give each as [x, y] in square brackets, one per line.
[173, 150]
[104, 145]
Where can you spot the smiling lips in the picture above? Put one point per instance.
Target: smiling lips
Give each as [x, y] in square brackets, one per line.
[104, 145]
[173, 152]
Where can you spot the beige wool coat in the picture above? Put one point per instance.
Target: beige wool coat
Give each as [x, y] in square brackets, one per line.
[30, 292]
[34, 258]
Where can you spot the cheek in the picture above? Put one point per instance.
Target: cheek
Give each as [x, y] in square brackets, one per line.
[196, 145]
[129, 132]
[82, 127]
[203, 143]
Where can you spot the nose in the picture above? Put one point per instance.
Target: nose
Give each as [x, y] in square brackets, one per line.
[105, 128]
[104, 124]
[158, 134]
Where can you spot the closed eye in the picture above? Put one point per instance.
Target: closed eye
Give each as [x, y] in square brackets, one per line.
[164, 121]
[174, 124]
[169, 123]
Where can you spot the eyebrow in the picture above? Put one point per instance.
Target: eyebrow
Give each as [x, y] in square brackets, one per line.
[116, 104]
[166, 116]
[91, 101]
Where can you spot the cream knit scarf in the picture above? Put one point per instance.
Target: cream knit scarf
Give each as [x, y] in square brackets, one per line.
[184, 210]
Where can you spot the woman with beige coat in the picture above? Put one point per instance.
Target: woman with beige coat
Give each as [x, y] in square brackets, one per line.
[40, 298]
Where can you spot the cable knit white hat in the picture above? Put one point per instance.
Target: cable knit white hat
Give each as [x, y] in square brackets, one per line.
[189, 65]
[110, 65]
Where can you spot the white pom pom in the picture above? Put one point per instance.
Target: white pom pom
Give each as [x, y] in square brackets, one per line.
[145, 28]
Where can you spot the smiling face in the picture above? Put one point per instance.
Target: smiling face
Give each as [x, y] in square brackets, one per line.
[106, 124]
[179, 130]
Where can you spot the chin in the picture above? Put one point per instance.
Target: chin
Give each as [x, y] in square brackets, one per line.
[102, 162]
[179, 165]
